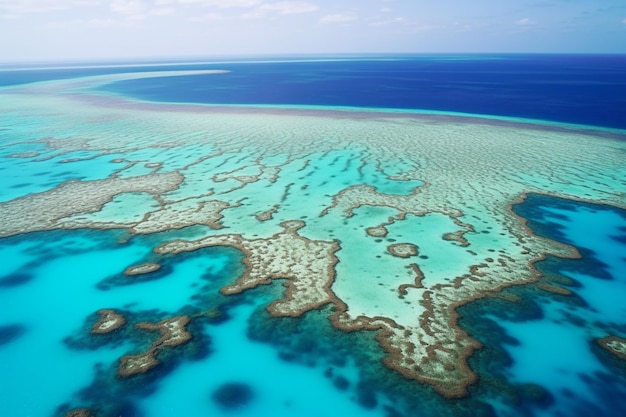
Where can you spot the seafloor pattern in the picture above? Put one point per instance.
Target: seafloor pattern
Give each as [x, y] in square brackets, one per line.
[383, 222]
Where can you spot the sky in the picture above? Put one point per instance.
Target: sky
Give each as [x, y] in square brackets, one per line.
[48, 30]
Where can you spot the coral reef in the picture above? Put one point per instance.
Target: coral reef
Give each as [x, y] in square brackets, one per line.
[173, 333]
[109, 321]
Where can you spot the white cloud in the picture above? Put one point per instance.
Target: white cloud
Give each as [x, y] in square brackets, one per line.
[95, 23]
[86, 2]
[138, 9]
[404, 25]
[282, 8]
[391, 21]
[207, 17]
[19, 7]
[221, 4]
[163, 11]
[128, 7]
[105, 23]
[385, 10]
[290, 7]
[254, 14]
[338, 18]
[469, 26]
[525, 22]
[624, 21]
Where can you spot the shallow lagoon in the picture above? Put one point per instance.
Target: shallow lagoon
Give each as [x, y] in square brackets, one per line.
[344, 187]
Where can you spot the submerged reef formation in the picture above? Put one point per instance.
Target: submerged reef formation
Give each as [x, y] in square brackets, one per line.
[182, 214]
[614, 345]
[334, 203]
[402, 250]
[9, 333]
[44, 211]
[173, 333]
[80, 412]
[142, 269]
[308, 266]
[233, 395]
[109, 321]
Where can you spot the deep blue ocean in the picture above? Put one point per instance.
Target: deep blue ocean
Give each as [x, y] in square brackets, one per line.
[580, 89]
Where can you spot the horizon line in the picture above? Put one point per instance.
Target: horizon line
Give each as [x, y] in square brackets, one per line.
[268, 57]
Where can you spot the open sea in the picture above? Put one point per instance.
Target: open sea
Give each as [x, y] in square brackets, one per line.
[437, 235]
[580, 89]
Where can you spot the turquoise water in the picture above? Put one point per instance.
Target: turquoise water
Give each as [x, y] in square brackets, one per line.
[61, 284]
[539, 355]
[279, 388]
[66, 270]
[34, 167]
[556, 349]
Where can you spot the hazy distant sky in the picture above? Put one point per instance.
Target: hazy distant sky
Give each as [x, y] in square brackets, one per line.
[88, 29]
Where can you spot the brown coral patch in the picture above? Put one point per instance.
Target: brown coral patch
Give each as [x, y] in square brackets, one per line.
[142, 269]
[419, 277]
[137, 364]
[614, 345]
[46, 210]
[402, 250]
[80, 412]
[180, 214]
[555, 289]
[268, 214]
[457, 237]
[110, 320]
[377, 231]
[308, 266]
[173, 333]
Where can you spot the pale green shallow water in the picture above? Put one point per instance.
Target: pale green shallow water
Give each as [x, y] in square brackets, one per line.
[467, 174]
